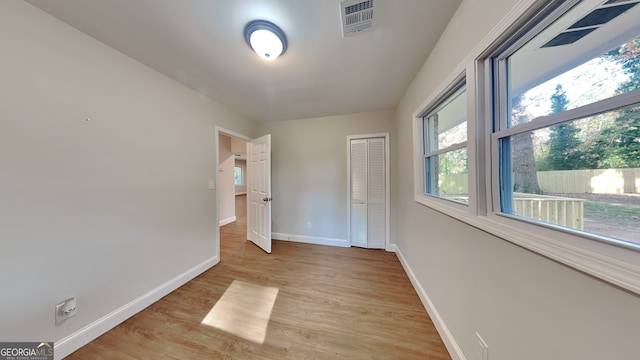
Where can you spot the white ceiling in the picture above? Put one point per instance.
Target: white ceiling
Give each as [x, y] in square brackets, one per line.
[200, 44]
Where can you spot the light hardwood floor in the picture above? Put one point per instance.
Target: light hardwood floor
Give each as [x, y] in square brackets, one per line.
[332, 303]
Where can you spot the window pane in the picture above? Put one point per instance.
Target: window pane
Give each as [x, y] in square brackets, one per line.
[583, 174]
[448, 125]
[447, 175]
[237, 173]
[547, 77]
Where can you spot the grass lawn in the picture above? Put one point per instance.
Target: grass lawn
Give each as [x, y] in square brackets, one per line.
[620, 213]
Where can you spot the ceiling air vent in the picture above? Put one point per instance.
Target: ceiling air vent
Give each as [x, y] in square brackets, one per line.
[357, 15]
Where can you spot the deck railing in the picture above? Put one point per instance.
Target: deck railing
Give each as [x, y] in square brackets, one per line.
[556, 210]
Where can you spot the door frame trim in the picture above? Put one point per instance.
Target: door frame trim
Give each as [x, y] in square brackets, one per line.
[221, 131]
[387, 170]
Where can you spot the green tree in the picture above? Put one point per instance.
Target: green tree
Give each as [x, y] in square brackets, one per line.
[629, 56]
[559, 100]
[564, 145]
[622, 147]
[621, 143]
[525, 176]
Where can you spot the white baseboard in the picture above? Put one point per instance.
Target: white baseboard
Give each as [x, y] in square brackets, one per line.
[392, 248]
[227, 220]
[92, 331]
[311, 239]
[443, 330]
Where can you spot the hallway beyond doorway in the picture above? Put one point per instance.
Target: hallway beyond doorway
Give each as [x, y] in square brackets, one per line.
[234, 235]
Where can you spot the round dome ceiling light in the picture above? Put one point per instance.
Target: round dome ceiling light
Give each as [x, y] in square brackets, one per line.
[265, 38]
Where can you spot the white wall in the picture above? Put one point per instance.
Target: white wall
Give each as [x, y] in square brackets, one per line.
[242, 189]
[525, 306]
[227, 188]
[104, 210]
[309, 173]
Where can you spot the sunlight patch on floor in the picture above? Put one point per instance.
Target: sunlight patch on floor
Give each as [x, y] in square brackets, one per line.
[243, 310]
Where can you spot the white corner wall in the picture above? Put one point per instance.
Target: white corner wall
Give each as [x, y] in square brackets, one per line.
[113, 210]
[525, 306]
[309, 174]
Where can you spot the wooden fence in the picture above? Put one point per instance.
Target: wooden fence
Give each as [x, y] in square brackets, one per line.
[606, 181]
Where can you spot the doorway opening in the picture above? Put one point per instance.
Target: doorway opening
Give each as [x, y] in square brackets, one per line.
[255, 223]
[231, 191]
[232, 176]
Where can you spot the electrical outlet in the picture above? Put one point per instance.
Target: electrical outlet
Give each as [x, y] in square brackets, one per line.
[482, 348]
[66, 309]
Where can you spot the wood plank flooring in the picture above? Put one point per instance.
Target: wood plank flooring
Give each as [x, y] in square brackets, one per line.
[332, 303]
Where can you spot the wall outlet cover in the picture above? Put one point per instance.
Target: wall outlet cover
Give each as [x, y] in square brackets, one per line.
[66, 309]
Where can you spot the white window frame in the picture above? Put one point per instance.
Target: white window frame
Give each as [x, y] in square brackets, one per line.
[458, 80]
[455, 90]
[616, 262]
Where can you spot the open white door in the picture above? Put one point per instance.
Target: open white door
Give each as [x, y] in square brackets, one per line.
[259, 192]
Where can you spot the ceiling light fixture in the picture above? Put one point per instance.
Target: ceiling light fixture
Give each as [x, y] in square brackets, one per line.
[265, 38]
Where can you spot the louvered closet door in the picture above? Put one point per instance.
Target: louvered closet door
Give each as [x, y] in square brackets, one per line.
[359, 193]
[368, 193]
[376, 196]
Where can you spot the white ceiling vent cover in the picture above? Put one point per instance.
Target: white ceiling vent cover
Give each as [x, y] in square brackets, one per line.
[357, 15]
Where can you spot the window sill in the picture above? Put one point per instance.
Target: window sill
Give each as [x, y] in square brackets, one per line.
[615, 262]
